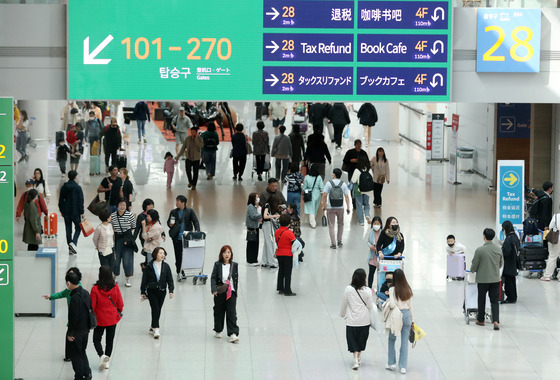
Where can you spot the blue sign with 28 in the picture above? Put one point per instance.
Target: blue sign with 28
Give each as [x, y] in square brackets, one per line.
[508, 40]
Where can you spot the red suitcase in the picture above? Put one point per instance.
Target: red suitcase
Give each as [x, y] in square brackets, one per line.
[51, 225]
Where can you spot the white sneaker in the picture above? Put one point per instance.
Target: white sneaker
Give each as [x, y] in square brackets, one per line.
[356, 365]
[156, 334]
[151, 332]
[103, 359]
[391, 367]
[403, 371]
[128, 284]
[218, 335]
[107, 364]
[233, 338]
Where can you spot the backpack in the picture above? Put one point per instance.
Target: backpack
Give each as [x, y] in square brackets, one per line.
[365, 183]
[92, 318]
[210, 143]
[533, 211]
[336, 195]
[530, 227]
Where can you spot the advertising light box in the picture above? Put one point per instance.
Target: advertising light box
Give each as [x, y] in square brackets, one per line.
[265, 49]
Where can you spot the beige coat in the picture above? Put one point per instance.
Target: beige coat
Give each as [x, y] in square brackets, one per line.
[392, 316]
[64, 115]
[380, 168]
[153, 233]
[192, 148]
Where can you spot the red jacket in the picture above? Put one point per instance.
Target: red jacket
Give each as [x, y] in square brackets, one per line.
[284, 239]
[40, 202]
[104, 310]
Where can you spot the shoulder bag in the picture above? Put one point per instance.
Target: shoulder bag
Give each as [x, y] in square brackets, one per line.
[308, 194]
[224, 287]
[372, 313]
[127, 236]
[552, 236]
[248, 146]
[118, 312]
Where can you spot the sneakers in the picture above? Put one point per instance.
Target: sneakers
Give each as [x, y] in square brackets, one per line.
[189, 185]
[151, 331]
[145, 140]
[361, 224]
[72, 249]
[496, 326]
[333, 246]
[391, 367]
[128, 284]
[183, 275]
[208, 177]
[403, 371]
[193, 187]
[233, 338]
[218, 335]
[108, 362]
[339, 243]
[179, 277]
[356, 365]
[156, 333]
[240, 179]
[368, 220]
[103, 361]
[235, 178]
[264, 266]
[259, 178]
[545, 279]
[292, 294]
[139, 142]
[273, 267]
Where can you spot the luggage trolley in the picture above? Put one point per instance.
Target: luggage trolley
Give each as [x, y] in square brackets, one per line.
[266, 168]
[194, 249]
[387, 264]
[470, 306]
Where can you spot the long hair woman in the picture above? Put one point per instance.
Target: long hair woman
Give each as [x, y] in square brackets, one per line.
[40, 184]
[224, 286]
[381, 175]
[391, 240]
[32, 227]
[357, 303]
[509, 249]
[376, 227]
[252, 221]
[400, 295]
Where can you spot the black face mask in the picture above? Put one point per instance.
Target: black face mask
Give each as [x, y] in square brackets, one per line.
[389, 280]
[451, 245]
[394, 228]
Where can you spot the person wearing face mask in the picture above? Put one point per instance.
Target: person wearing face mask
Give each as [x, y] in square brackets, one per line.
[391, 240]
[252, 220]
[112, 140]
[454, 246]
[93, 129]
[376, 226]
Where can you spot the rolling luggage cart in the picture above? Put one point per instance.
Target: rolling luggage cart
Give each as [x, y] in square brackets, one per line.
[266, 169]
[387, 264]
[470, 306]
[194, 250]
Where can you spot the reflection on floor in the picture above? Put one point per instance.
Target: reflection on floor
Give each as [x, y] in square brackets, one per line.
[300, 337]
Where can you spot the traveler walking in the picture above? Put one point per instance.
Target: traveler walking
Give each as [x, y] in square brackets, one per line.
[107, 304]
[367, 114]
[112, 142]
[32, 227]
[127, 189]
[93, 129]
[391, 240]
[334, 193]
[253, 218]
[340, 118]
[111, 186]
[281, 151]
[152, 234]
[71, 206]
[352, 158]
[294, 181]
[141, 113]
[362, 189]
[104, 239]
[123, 225]
[224, 287]
[181, 123]
[298, 144]
[78, 326]
[510, 249]
[312, 184]
[487, 261]
[239, 152]
[381, 175]
[357, 303]
[192, 148]
[261, 147]
[317, 153]
[553, 251]
[211, 142]
[22, 128]
[156, 280]
[181, 219]
[376, 227]
[169, 168]
[400, 298]
[41, 185]
[277, 113]
[284, 239]
[40, 202]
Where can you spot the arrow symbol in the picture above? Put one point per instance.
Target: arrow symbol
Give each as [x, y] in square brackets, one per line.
[274, 47]
[89, 58]
[512, 179]
[274, 80]
[434, 49]
[274, 13]
[435, 16]
[509, 124]
[434, 83]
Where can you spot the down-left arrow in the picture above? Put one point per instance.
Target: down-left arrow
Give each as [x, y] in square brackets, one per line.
[89, 58]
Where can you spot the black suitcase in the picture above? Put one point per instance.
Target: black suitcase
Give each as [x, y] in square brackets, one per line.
[533, 265]
[533, 253]
[60, 135]
[121, 160]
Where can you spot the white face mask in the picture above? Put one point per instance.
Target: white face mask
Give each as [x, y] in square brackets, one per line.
[92, 118]
[376, 227]
[258, 200]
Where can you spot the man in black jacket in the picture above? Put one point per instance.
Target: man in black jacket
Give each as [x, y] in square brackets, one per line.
[78, 326]
[352, 157]
[71, 206]
[181, 219]
[544, 206]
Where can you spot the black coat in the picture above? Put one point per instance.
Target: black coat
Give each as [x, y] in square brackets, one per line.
[239, 145]
[544, 213]
[367, 114]
[71, 199]
[298, 147]
[351, 154]
[216, 277]
[165, 278]
[112, 139]
[317, 113]
[78, 312]
[385, 241]
[509, 249]
[338, 114]
[190, 219]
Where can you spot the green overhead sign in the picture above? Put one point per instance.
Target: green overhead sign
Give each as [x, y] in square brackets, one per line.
[260, 49]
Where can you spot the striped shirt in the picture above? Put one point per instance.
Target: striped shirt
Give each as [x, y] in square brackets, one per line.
[127, 222]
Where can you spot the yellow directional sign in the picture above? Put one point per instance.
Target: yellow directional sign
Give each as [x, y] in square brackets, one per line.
[512, 179]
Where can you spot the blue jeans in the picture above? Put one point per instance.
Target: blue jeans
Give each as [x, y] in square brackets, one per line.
[141, 128]
[125, 254]
[68, 221]
[362, 206]
[403, 354]
[209, 159]
[21, 143]
[382, 296]
[294, 197]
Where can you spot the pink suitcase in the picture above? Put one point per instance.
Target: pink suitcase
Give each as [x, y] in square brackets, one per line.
[456, 266]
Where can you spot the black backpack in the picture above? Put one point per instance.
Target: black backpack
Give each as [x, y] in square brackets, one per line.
[530, 227]
[210, 143]
[336, 195]
[365, 183]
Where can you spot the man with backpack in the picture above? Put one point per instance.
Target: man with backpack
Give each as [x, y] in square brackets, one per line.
[333, 196]
[363, 189]
[211, 142]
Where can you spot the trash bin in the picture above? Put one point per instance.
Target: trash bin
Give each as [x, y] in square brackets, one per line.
[465, 160]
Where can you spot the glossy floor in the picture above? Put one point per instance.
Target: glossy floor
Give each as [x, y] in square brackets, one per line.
[301, 337]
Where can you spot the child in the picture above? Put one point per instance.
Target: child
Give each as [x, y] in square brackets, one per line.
[169, 167]
[384, 291]
[62, 155]
[295, 225]
[454, 246]
[103, 239]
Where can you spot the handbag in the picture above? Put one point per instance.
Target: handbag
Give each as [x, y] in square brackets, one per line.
[118, 312]
[308, 194]
[252, 235]
[324, 220]
[552, 236]
[224, 287]
[97, 205]
[86, 227]
[381, 179]
[127, 237]
[248, 146]
[372, 313]
[416, 333]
